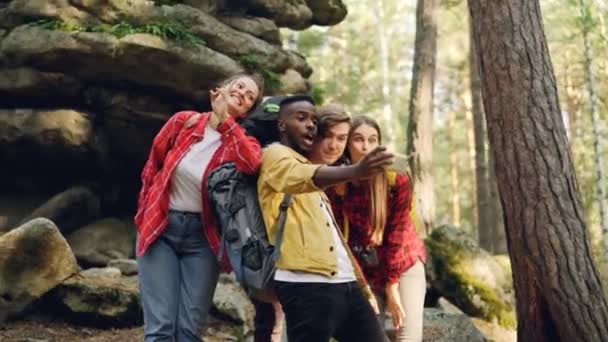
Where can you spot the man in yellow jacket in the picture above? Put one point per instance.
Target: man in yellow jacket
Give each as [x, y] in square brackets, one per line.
[316, 277]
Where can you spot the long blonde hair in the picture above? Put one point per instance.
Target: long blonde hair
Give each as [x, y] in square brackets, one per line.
[378, 187]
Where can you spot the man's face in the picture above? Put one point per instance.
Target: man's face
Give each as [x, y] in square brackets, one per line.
[298, 124]
[329, 148]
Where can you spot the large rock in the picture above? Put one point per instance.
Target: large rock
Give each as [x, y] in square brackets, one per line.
[217, 35]
[24, 86]
[470, 277]
[14, 207]
[232, 303]
[70, 209]
[98, 298]
[102, 241]
[262, 28]
[327, 12]
[440, 326]
[69, 129]
[294, 14]
[101, 57]
[34, 258]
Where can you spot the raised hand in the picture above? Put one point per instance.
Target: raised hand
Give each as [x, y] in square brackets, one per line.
[219, 103]
[375, 161]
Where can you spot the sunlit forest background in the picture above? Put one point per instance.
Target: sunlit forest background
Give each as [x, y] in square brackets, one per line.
[366, 61]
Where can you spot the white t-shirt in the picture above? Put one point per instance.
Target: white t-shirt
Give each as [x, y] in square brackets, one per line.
[345, 273]
[188, 175]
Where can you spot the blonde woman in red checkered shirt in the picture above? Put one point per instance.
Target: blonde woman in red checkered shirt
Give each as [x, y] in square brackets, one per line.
[178, 241]
[375, 216]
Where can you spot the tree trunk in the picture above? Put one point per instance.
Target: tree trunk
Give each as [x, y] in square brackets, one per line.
[558, 291]
[572, 102]
[387, 110]
[598, 143]
[420, 128]
[454, 170]
[485, 225]
[498, 238]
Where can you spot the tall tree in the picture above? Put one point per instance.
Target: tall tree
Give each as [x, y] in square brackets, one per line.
[485, 224]
[420, 128]
[558, 291]
[454, 178]
[587, 26]
[387, 110]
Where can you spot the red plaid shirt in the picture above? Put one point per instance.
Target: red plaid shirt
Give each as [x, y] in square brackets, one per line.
[169, 147]
[401, 247]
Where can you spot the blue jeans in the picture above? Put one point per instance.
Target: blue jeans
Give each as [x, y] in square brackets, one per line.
[177, 278]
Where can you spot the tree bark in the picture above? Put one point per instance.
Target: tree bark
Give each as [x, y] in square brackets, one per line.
[455, 182]
[485, 218]
[598, 142]
[558, 291]
[498, 238]
[387, 110]
[420, 128]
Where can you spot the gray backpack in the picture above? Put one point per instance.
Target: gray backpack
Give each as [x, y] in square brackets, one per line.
[234, 197]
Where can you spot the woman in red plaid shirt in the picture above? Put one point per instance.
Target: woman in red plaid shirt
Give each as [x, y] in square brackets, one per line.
[177, 240]
[375, 217]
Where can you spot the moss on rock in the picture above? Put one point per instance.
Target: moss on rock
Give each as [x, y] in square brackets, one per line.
[470, 277]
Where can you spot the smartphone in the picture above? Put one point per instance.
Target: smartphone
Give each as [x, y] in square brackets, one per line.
[401, 162]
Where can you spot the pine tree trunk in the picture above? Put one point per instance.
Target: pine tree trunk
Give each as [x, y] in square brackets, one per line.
[485, 217]
[598, 144]
[558, 291]
[498, 236]
[572, 102]
[387, 110]
[454, 170]
[420, 128]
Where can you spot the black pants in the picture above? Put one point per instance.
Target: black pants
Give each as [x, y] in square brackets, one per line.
[315, 312]
[268, 322]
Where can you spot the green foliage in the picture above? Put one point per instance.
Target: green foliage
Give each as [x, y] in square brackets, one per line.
[167, 30]
[250, 62]
[318, 94]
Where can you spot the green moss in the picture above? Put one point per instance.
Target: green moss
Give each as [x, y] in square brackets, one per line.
[250, 62]
[450, 255]
[166, 30]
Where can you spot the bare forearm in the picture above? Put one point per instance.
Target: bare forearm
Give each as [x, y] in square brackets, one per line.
[332, 175]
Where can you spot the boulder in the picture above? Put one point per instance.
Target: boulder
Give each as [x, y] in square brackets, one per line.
[262, 28]
[70, 209]
[97, 298]
[102, 241]
[327, 12]
[14, 207]
[232, 304]
[294, 14]
[127, 267]
[34, 258]
[24, 86]
[69, 129]
[101, 57]
[291, 82]
[207, 6]
[440, 326]
[470, 277]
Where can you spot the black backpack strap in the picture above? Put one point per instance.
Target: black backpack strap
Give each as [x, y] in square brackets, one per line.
[281, 225]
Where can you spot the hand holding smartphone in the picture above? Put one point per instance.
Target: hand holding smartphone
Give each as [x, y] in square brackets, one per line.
[401, 162]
